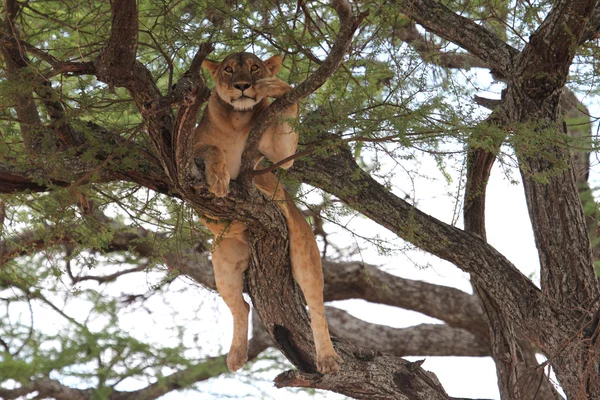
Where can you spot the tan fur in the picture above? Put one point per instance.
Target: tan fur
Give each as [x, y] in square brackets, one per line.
[243, 85]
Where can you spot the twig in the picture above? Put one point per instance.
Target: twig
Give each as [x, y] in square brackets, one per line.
[490, 104]
[111, 277]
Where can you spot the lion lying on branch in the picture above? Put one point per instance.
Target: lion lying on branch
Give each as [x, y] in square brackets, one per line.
[243, 85]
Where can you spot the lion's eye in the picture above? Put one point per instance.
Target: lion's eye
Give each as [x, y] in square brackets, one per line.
[254, 68]
[229, 70]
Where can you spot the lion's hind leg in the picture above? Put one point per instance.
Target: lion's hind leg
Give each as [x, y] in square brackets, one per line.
[230, 261]
[306, 269]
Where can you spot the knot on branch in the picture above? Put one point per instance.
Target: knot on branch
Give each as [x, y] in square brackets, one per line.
[295, 378]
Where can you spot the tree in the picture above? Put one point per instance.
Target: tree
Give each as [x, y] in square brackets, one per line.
[98, 105]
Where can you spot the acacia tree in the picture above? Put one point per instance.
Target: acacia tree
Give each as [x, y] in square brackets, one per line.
[98, 105]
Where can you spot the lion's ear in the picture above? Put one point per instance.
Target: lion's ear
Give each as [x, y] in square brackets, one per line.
[274, 64]
[211, 66]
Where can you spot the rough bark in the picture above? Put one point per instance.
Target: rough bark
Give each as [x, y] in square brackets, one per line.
[355, 280]
[518, 371]
[381, 377]
[567, 270]
[16, 62]
[474, 38]
[419, 340]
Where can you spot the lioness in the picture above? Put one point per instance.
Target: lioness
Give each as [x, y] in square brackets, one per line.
[243, 85]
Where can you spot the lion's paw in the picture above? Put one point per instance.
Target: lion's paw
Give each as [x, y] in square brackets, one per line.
[329, 363]
[237, 357]
[271, 87]
[218, 179]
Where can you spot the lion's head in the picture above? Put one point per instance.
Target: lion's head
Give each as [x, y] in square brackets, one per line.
[236, 76]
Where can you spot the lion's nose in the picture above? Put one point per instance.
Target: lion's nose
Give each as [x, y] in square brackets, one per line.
[241, 86]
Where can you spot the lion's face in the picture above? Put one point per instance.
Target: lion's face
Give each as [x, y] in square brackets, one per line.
[236, 77]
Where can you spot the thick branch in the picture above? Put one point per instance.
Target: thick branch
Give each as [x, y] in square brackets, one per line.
[16, 62]
[58, 66]
[380, 377]
[14, 179]
[184, 87]
[115, 64]
[419, 340]
[355, 280]
[593, 28]
[515, 359]
[432, 53]
[204, 370]
[462, 31]
[543, 65]
[47, 388]
[194, 93]
[534, 101]
[56, 110]
[34, 178]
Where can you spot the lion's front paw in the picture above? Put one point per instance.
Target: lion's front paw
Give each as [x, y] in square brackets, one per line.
[327, 364]
[237, 357]
[217, 177]
[271, 87]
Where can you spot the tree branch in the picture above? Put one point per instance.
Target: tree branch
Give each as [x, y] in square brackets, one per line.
[532, 99]
[16, 62]
[58, 66]
[592, 28]
[115, 63]
[356, 280]
[432, 53]
[515, 359]
[185, 86]
[194, 93]
[462, 31]
[339, 175]
[419, 340]
[551, 48]
[204, 370]
[47, 388]
[395, 379]
[42, 176]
